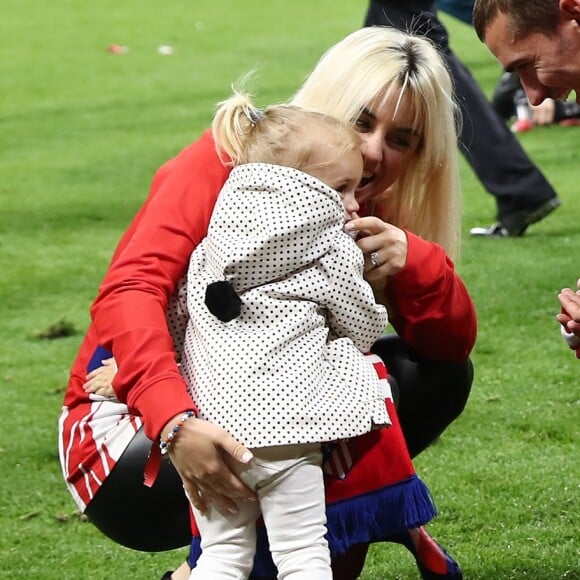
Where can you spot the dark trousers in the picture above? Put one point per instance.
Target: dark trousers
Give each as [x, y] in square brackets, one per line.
[490, 148]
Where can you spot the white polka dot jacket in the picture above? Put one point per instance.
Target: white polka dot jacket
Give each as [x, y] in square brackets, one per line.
[290, 368]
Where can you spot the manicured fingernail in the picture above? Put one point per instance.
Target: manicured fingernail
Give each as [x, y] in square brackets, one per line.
[246, 457]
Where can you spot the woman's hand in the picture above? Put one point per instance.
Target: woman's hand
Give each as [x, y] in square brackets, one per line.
[201, 453]
[381, 243]
[100, 380]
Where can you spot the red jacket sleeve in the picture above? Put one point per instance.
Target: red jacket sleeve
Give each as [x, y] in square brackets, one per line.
[429, 306]
[129, 313]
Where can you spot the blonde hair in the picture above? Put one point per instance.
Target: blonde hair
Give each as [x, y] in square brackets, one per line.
[279, 134]
[381, 62]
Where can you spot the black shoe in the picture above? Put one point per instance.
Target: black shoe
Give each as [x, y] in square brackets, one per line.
[493, 231]
[516, 224]
[167, 575]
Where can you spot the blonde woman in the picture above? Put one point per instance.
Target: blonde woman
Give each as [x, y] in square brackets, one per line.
[395, 89]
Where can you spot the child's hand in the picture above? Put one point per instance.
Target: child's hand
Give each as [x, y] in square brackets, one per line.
[569, 316]
[100, 380]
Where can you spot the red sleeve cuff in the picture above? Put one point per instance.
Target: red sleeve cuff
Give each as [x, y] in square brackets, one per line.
[420, 266]
[160, 403]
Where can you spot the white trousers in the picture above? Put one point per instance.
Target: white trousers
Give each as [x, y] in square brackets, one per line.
[288, 481]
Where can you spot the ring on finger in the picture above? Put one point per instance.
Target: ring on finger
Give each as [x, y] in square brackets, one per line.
[374, 257]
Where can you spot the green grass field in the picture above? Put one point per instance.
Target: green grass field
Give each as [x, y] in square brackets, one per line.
[82, 132]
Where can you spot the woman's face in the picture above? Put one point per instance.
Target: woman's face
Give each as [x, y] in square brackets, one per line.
[388, 144]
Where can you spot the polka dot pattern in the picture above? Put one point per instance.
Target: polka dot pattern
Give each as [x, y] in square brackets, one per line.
[177, 316]
[290, 368]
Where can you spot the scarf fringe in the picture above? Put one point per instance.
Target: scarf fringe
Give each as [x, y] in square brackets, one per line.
[368, 518]
[373, 517]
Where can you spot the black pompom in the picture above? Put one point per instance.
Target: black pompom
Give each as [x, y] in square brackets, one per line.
[222, 301]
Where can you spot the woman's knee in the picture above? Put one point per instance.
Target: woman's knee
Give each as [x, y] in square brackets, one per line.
[419, 379]
[460, 379]
[432, 394]
[138, 517]
[449, 387]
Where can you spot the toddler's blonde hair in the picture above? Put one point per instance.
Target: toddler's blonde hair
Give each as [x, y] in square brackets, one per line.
[280, 134]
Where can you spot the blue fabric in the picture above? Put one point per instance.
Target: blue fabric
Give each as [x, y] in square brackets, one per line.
[368, 518]
[99, 355]
[460, 9]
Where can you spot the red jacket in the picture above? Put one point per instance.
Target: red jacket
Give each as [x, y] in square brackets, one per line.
[429, 305]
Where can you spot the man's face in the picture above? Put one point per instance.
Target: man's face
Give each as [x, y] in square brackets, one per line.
[548, 66]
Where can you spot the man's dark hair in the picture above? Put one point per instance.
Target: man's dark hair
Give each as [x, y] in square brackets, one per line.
[525, 16]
